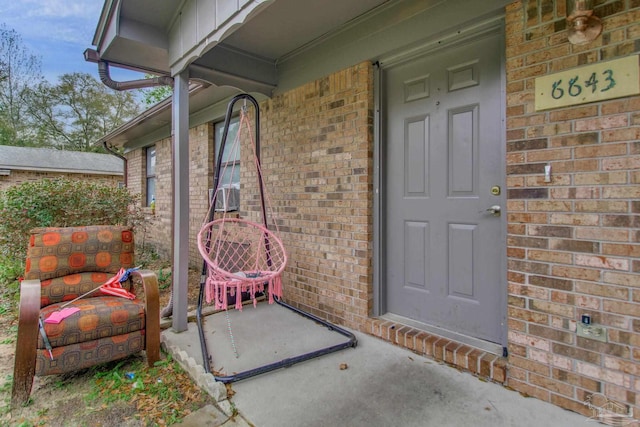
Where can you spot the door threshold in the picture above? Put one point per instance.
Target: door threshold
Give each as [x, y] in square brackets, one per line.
[487, 346]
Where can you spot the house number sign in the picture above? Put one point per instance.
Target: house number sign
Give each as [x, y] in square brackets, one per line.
[591, 83]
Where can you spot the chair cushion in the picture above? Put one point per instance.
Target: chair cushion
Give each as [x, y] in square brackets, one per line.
[57, 252]
[84, 355]
[69, 287]
[98, 318]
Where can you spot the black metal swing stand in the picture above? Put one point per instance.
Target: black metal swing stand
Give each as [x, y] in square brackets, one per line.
[351, 338]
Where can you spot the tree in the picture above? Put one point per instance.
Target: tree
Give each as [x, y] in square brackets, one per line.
[156, 94]
[71, 114]
[19, 70]
[77, 111]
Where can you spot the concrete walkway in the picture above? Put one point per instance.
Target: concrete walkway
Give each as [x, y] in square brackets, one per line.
[375, 384]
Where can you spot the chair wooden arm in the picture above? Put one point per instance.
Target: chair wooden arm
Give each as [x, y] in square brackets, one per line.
[27, 342]
[152, 299]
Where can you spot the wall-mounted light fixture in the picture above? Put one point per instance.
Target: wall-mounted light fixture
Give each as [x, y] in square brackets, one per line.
[584, 27]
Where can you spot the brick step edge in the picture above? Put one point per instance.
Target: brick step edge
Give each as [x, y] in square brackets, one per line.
[462, 356]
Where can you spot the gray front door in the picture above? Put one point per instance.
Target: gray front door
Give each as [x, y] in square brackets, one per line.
[442, 167]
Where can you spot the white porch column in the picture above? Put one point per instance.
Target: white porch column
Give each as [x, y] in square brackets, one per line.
[180, 123]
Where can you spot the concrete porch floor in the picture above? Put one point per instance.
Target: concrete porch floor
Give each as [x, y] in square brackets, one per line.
[374, 384]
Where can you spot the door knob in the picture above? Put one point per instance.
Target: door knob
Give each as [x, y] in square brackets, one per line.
[495, 210]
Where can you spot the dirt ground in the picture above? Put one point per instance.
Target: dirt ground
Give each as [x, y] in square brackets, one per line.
[87, 398]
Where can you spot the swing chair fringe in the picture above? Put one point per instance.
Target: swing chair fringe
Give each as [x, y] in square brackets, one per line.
[242, 257]
[220, 291]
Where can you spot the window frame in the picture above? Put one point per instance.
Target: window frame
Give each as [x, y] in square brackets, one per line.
[151, 157]
[232, 164]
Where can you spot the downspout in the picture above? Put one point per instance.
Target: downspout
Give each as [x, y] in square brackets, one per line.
[91, 55]
[103, 72]
[124, 159]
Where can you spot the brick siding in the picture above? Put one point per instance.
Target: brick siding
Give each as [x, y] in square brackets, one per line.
[317, 153]
[158, 231]
[573, 243]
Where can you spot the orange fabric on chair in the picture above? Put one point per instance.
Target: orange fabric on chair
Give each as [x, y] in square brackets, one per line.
[62, 265]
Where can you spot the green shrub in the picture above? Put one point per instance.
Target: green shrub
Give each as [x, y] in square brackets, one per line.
[10, 272]
[61, 203]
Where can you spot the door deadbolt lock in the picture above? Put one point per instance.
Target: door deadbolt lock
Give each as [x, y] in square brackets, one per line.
[495, 210]
[495, 190]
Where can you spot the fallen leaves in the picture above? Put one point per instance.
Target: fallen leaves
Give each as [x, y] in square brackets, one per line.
[162, 395]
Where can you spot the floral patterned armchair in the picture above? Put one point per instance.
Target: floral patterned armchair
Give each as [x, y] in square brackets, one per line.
[62, 265]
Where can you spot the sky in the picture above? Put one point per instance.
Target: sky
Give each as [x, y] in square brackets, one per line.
[58, 31]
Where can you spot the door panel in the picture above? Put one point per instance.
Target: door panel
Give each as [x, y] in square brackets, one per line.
[463, 152]
[416, 248]
[416, 157]
[461, 248]
[443, 153]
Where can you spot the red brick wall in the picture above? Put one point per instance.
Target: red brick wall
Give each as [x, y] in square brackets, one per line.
[317, 156]
[136, 165]
[201, 154]
[574, 243]
[159, 228]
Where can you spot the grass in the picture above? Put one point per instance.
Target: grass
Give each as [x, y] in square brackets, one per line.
[146, 256]
[163, 392]
[159, 396]
[164, 279]
[10, 272]
[7, 384]
[5, 388]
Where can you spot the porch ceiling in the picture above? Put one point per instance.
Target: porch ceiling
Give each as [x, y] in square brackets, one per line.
[256, 46]
[287, 25]
[137, 33]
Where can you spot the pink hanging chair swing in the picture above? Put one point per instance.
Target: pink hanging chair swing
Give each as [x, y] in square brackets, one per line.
[245, 259]
[242, 257]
